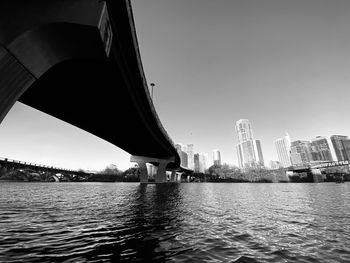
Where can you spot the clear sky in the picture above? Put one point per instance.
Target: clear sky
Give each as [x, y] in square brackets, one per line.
[282, 64]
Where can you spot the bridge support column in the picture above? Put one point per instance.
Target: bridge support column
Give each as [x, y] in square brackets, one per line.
[178, 177]
[143, 173]
[161, 171]
[173, 176]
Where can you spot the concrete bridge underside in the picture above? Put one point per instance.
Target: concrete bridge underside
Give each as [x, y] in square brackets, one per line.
[78, 60]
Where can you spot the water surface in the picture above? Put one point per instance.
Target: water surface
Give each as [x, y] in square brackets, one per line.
[189, 222]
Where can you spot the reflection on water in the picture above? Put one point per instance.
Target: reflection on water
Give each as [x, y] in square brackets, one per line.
[107, 222]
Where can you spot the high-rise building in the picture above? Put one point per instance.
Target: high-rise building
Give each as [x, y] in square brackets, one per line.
[321, 149]
[260, 155]
[190, 156]
[346, 144]
[283, 151]
[202, 163]
[341, 147]
[184, 159]
[196, 162]
[300, 152]
[180, 148]
[249, 150]
[216, 157]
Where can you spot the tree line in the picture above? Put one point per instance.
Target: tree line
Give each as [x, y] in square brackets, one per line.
[230, 173]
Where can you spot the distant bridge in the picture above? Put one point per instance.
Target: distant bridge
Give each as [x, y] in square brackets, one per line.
[329, 164]
[320, 164]
[44, 171]
[79, 61]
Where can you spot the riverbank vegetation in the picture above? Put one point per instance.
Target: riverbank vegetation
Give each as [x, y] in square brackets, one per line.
[215, 173]
[229, 173]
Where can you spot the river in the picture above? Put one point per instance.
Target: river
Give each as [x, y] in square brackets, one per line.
[188, 222]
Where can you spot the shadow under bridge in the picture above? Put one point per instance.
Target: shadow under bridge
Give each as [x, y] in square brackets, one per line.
[79, 61]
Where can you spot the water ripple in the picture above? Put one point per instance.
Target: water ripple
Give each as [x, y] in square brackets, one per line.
[104, 222]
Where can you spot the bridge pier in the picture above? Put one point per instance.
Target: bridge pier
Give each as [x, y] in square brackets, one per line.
[178, 176]
[173, 176]
[161, 173]
[143, 173]
[161, 176]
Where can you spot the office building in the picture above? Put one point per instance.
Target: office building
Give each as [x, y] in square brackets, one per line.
[283, 151]
[346, 144]
[321, 149]
[196, 162]
[249, 150]
[300, 152]
[341, 147]
[260, 155]
[200, 162]
[216, 157]
[190, 156]
[181, 150]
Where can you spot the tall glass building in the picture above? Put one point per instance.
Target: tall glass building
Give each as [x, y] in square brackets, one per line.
[200, 162]
[216, 157]
[190, 156]
[322, 149]
[341, 147]
[300, 152]
[181, 149]
[249, 150]
[283, 151]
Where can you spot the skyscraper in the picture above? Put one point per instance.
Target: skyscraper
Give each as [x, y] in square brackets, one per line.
[248, 149]
[190, 156]
[322, 149]
[180, 148]
[202, 162]
[346, 144]
[196, 162]
[283, 151]
[259, 150]
[216, 157]
[300, 152]
[341, 147]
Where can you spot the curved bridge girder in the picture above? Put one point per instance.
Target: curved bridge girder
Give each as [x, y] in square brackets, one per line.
[37, 51]
[59, 66]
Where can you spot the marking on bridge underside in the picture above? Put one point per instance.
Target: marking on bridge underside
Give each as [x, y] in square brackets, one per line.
[105, 28]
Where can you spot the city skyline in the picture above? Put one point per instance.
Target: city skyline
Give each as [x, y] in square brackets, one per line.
[208, 60]
[76, 133]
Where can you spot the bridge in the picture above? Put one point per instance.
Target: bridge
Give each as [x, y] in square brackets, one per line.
[327, 164]
[79, 61]
[39, 172]
[317, 171]
[319, 165]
